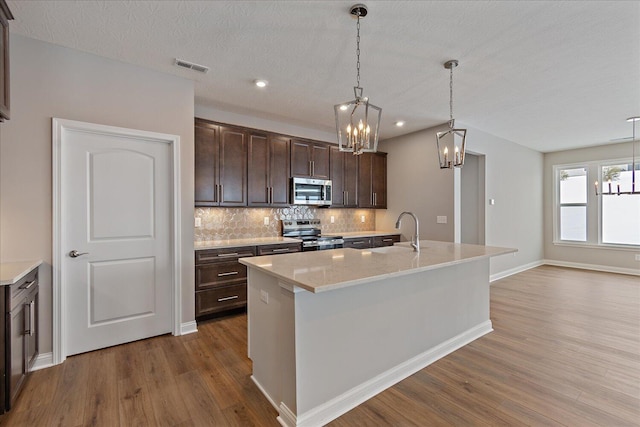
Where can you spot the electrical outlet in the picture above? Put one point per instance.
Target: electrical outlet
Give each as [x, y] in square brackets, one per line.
[637, 257]
[362, 218]
[266, 220]
[441, 220]
[333, 219]
[264, 296]
[198, 222]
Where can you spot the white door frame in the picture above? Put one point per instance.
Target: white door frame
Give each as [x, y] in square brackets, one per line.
[59, 298]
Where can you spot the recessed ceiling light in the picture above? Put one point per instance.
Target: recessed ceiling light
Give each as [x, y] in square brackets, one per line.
[261, 83]
[343, 107]
[400, 123]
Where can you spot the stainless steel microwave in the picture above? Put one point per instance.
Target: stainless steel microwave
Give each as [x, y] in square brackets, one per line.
[307, 191]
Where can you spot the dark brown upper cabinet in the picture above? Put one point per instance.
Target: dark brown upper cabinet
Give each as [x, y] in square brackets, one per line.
[344, 179]
[310, 159]
[5, 17]
[220, 165]
[372, 180]
[268, 172]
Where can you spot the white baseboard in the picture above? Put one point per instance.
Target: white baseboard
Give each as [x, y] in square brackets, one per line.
[323, 414]
[188, 327]
[515, 270]
[44, 360]
[595, 267]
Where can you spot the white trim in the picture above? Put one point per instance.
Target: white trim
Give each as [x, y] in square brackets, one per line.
[328, 411]
[44, 360]
[58, 300]
[188, 328]
[264, 392]
[286, 416]
[595, 267]
[608, 246]
[515, 270]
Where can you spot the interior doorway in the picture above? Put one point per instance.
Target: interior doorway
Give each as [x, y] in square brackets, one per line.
[472, 199]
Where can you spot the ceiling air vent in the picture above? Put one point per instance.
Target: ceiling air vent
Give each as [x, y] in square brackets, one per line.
[191, 66]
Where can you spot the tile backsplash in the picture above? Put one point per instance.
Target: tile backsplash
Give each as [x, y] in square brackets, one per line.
[242, 223]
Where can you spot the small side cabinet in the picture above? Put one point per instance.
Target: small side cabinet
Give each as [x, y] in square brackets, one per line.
[21, 333]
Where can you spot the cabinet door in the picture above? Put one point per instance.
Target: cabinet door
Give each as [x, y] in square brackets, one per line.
[351, 180]
[358, 243]
[338, 196]
[300, 158]
[31, 331]
[5, 16]
[206, 162]
[372, 180]
[232, 167]
[365, 180]
[279, 170]
[379, 180]
[258, 186]
[18, 359]
[320, 163]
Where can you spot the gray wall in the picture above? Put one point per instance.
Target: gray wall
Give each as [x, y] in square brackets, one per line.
[513, 179]
[49, 81]
[623, 259]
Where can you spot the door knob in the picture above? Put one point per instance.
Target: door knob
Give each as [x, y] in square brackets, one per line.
[76, 254]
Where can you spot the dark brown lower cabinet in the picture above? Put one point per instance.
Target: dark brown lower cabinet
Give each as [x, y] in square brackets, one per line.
[371, 242]
[221, 281]
[21, 334]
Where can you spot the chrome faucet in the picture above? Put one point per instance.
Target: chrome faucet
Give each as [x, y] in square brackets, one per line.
[415, 240]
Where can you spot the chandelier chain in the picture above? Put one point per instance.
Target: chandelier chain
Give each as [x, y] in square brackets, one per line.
[451, 93]
[358, 52]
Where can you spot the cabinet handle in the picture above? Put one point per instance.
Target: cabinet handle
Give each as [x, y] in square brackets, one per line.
[227, 298]
[215, 193]
[221, 193]
[347, 198]
[227, 255]
[230, 273]
[358, 243]
[28, 285]
[271, 195]
[387, 240]
[31, 319]
[281, 250]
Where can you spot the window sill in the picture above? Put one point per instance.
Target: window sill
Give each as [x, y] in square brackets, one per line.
[587, 245]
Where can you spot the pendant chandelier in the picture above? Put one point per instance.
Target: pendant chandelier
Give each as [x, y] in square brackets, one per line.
[358, 121]
[634, 188]
[451, 143]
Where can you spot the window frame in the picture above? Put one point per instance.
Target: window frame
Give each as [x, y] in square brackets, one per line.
[593, 205]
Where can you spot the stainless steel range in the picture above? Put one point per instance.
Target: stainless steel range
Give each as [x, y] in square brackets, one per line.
[309, 231]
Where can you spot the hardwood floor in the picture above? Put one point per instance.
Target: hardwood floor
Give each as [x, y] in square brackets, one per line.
[565, 351]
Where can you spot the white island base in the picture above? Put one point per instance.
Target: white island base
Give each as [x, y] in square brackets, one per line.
[321, 346]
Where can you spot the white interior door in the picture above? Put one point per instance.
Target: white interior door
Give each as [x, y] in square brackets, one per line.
[116, 213]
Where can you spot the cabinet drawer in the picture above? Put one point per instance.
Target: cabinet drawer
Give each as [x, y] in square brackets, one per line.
[279, 249]
[223, 254]
[220, 273]
[359, 243]
[22, 287]
[389, 240]
[220, 299]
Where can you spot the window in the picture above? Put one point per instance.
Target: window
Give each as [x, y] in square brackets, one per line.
[573, 204]
[620, 214]
[583, 218]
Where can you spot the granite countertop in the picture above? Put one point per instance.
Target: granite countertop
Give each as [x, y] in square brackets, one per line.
[11, 272]
[255, 241]
[374, 233]
[321, 271]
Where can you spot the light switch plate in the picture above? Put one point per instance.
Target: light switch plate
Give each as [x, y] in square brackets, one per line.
[332, 219]
[266, 220]
[441, 220]
[637, 257]
[198, 222]
[264, 296]
[492, 202]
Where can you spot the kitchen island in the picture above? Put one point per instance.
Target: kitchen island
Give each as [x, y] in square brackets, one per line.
[330, 329]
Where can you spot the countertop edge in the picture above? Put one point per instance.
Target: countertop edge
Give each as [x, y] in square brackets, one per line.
[250, 262]
[24, 268]
[245, 242]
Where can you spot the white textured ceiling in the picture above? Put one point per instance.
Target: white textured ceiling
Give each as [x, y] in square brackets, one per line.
[549, 75]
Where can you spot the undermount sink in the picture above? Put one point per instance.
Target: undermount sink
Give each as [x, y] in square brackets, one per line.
[400, 248]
